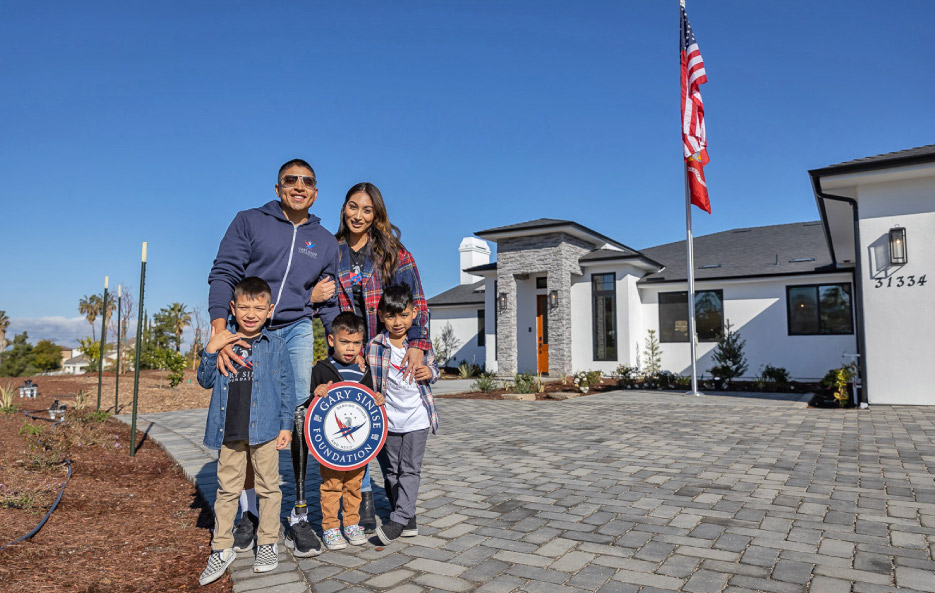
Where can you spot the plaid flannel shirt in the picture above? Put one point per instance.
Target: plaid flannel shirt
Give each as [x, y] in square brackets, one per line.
[406, 273]
[378, 357]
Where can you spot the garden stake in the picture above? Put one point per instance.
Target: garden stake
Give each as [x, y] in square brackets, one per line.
[100, 365]
[117, 373]
[136, 366]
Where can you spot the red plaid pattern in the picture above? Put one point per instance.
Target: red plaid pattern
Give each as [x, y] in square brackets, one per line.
[406, 273]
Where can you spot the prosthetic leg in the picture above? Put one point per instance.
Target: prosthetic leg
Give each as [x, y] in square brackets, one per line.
[300, 537]
[299, 465]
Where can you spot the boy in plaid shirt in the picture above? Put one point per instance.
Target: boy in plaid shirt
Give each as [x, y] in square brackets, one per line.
[410, 410]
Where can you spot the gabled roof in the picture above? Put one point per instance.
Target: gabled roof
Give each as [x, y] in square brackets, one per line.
[911, 156]
[784, 249]
[546, 225]
[463, 294]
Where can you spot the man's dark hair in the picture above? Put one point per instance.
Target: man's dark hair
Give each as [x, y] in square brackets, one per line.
[349, 322]
[396, 297]
[298, 162]
[252, 287]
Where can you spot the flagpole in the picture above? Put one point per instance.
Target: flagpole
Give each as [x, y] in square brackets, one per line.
[691, 281]
[691, 272]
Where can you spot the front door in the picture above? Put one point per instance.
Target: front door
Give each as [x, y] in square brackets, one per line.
[542, 334]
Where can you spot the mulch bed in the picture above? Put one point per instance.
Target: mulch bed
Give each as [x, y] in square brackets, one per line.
[124, 524]
[550, 387]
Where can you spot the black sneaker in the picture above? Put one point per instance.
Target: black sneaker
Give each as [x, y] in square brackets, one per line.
[368, 519]
[389, 532]
[302, 540]
[245, 532]
[411, 529]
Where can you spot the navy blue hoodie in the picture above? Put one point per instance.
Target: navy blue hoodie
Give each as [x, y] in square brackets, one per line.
[292, 259]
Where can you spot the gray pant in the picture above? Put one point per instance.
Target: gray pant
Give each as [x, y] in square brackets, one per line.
[401, 462]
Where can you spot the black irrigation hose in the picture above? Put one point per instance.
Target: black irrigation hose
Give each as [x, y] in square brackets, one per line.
[61, 492]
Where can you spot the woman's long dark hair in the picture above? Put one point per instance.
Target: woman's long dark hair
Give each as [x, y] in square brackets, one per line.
[384, 236]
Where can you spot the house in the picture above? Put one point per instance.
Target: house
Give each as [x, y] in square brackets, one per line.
[76, 365]
[562, 297]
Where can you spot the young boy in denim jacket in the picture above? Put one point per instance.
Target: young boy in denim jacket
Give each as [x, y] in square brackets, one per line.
[250, 414]
[410, 411]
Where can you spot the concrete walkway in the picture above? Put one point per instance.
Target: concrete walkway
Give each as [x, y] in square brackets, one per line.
[637, 491]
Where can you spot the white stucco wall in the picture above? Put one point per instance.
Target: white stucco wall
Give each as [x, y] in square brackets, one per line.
[627, 311]
[756, 309]
[900, 320]
[463, 320]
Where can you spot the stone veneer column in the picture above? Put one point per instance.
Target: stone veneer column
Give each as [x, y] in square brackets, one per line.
[553, 254]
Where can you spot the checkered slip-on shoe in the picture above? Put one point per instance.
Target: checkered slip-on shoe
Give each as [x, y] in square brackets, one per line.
[355, 535]
[217, 565]
[267, 558]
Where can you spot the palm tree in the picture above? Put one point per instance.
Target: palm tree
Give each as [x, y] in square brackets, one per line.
[180, 319]
[89, 306]
[4, 324]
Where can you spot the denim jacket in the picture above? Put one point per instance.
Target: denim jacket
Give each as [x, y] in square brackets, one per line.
[272, 397]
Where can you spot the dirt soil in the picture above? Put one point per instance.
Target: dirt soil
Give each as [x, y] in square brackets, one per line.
[123, 524]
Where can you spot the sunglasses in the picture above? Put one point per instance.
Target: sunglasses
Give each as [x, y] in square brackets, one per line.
[292, 180]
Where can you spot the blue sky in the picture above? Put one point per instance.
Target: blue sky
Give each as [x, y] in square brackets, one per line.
[126, 122]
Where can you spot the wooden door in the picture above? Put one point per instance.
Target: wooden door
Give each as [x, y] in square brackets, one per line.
[542, 333]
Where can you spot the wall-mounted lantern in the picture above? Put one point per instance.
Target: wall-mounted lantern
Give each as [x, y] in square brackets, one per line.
[553, 299]
[501, 302]
[898, 252]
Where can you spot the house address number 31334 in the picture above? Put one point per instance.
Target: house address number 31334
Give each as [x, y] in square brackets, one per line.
[899, 281]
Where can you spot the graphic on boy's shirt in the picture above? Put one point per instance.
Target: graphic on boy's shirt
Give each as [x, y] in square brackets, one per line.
[243, 372]
[346, 428]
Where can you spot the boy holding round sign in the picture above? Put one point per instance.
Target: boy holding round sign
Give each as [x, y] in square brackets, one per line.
[344, 429]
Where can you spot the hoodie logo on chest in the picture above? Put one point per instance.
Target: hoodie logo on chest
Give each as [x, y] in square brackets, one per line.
[307, 249]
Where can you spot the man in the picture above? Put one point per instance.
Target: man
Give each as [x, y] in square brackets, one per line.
[285, 245]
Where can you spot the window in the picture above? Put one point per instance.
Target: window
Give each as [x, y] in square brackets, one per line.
[542, 282]
[673, 316]
[603, 307]
[820, 309]
[481, 332]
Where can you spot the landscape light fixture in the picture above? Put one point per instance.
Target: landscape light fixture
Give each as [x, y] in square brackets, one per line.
[898, 252]
[501, 302]
[553, 299]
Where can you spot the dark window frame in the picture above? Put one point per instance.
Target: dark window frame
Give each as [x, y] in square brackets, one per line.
[594, 330]
[720, 296]
[848, 288]
[481, 329]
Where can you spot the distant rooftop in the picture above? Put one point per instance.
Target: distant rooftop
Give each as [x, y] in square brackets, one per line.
[911, 156]
[463, 294]
[796, 248]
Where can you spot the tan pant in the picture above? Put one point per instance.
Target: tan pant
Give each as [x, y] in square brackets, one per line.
[334, 484]
[232, 469]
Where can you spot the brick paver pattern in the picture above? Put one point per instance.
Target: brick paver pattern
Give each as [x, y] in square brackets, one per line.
[637, 492]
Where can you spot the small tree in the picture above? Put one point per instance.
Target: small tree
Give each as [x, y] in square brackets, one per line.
[729, 359]
[445, 345]
[652, 355]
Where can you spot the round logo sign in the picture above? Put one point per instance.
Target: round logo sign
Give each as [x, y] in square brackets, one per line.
[345, 429]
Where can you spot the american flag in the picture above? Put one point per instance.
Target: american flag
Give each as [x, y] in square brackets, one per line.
[694, 141]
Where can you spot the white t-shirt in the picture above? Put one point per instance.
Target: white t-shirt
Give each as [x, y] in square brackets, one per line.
[404, 409]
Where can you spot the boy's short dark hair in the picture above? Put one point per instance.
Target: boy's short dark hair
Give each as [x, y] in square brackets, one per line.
[396, 297]
[252, 287]
[349, 322]
[298, 162]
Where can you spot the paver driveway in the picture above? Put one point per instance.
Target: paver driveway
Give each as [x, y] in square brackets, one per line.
[640, 492]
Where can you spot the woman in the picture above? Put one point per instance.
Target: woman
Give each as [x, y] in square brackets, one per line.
[371, 256]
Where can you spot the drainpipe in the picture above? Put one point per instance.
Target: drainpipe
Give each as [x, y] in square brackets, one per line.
[857, 278]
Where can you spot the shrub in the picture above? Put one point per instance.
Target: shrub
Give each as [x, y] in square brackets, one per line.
[525, 383]
[626, 375]
[652, 356]
[484, 382]
[729, 359]
[445, 345]
[667, 380]
[585, 380]
[6, 399]
[466, 370]
[771, 377]
[172, 361]
[837, 380]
